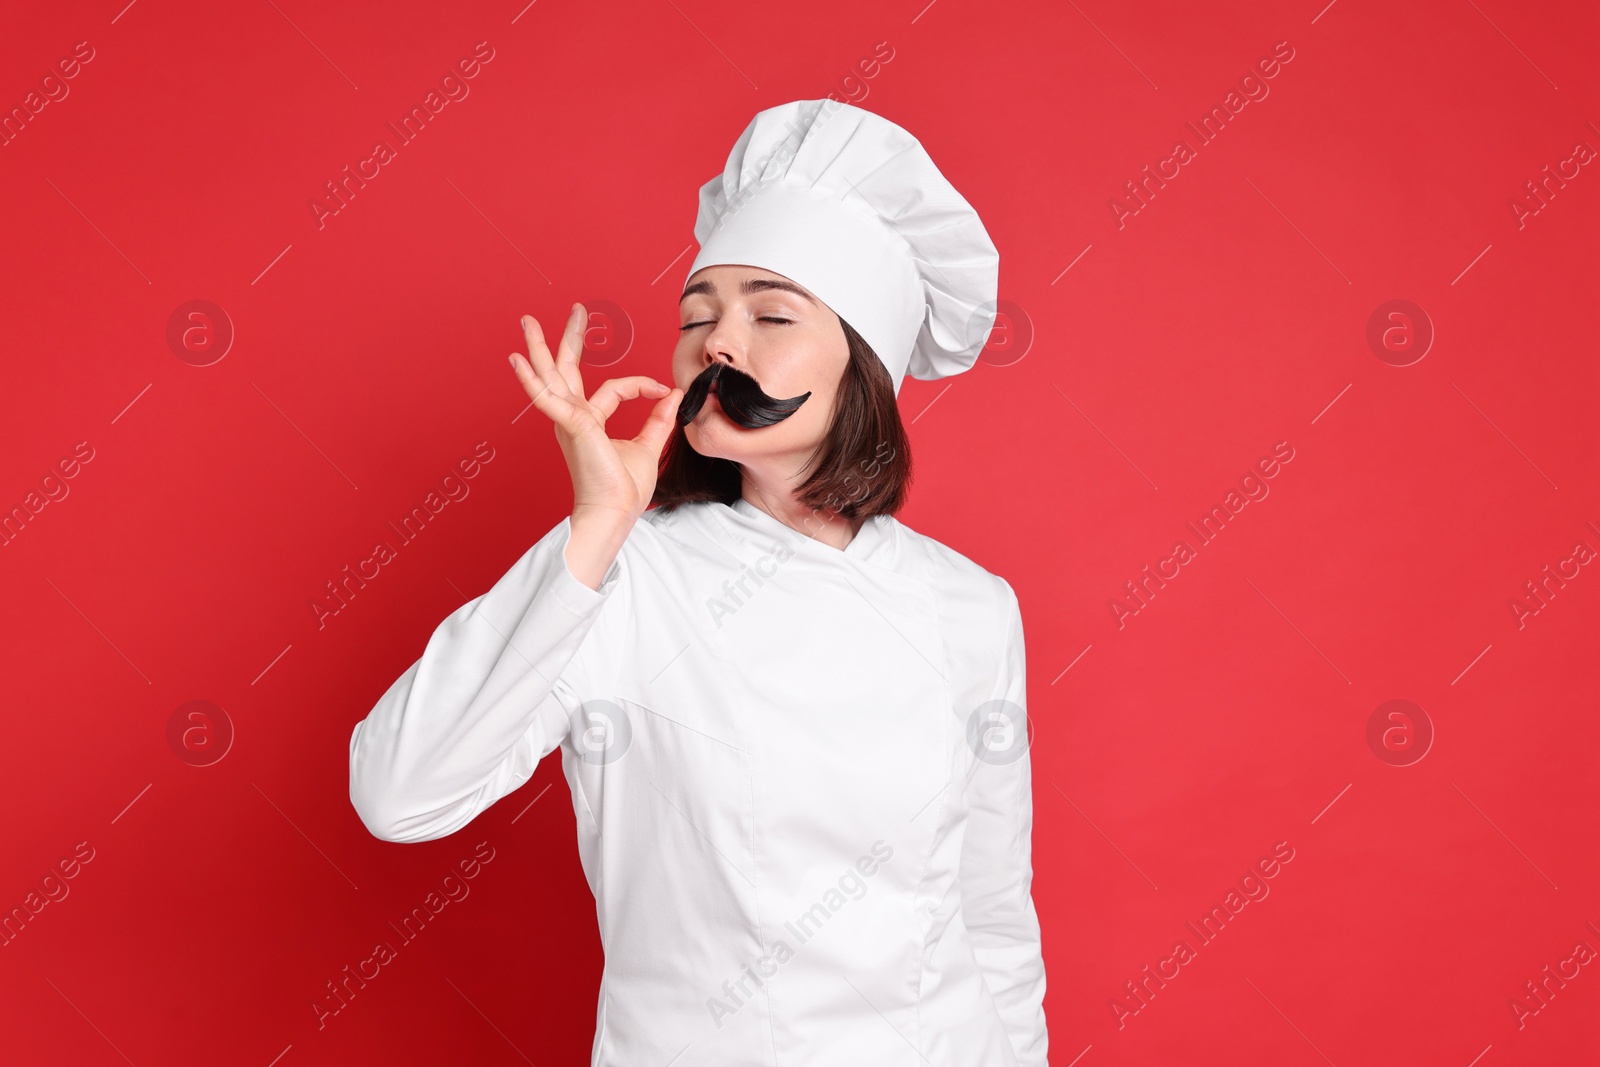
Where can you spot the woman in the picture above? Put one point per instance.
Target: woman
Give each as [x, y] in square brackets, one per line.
[793, 728]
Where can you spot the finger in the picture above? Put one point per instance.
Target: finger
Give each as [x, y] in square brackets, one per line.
[543, 365]
[662, 421]
[570, 348]
[557, 406]
[614, 391]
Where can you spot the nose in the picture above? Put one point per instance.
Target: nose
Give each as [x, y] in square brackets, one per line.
[718, 350]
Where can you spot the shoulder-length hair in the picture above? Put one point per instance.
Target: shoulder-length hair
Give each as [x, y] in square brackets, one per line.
[861, 467]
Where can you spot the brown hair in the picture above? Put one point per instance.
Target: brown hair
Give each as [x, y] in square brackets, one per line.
[861, 467]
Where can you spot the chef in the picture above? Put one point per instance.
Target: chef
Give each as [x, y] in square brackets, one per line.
[793, 729]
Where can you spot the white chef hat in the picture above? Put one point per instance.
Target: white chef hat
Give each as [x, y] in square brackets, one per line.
[849, 205]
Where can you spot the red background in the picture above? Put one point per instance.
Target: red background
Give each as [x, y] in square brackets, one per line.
[1171, 752]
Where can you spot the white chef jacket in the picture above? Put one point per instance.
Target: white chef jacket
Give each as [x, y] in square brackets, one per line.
[796, 853]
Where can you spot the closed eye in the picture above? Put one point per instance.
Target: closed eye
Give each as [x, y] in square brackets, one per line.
[693, 325]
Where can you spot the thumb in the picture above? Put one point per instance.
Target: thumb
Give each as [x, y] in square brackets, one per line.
[659, 426]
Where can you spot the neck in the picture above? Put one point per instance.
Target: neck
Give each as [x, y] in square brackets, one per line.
[779, 501]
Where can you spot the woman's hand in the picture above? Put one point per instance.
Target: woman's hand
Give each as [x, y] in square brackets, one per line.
[612, 480]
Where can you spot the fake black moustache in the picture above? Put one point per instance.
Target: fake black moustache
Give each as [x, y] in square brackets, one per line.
[741, 398]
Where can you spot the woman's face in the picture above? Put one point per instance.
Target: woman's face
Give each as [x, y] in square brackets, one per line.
[777, 332]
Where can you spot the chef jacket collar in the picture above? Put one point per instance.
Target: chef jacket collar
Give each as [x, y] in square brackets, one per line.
[873, 532]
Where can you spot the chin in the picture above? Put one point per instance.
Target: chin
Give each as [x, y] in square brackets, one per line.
[701, 441]
[716, 436]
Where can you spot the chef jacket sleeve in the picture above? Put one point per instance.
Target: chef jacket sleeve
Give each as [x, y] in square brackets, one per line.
[996, 863]
[468, 722]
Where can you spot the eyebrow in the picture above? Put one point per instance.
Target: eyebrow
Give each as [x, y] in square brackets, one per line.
[750, 285]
